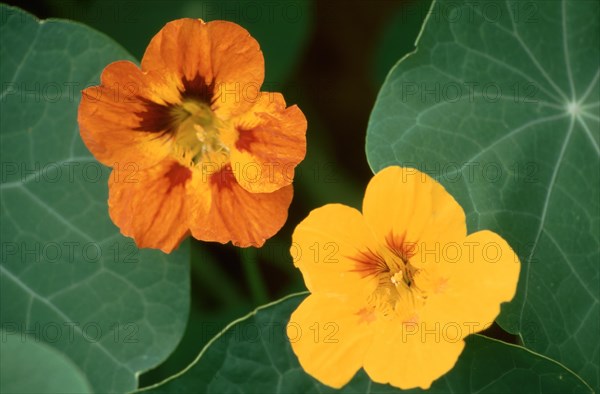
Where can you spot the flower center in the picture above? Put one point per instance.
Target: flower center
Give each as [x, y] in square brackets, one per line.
[396, 294]
[197, 137]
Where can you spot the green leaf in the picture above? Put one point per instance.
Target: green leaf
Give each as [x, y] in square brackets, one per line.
[253, 355]
[67, 277]
[34, 367]
[500, 103]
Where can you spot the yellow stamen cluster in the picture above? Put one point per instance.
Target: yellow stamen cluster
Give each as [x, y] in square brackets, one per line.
[396, 293]
[197, 136]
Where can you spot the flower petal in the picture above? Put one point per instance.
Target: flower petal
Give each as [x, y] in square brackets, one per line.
[326, 246]
[485, 276]
[409, 355]
[329, 338]
[224, 211]
[150, 205]
[271, 142]
[219, 56]
[410, 204]
[111, 116]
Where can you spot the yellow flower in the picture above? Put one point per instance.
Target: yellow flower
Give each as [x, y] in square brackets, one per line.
[396, 289]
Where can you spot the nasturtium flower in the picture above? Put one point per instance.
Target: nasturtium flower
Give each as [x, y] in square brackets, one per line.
[195, 146]
[395, 289]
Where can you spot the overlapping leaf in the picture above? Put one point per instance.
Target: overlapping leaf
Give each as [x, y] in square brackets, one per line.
[29, 366]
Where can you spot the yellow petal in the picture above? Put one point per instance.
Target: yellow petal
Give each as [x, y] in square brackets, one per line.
[324, 248]
[409, 355]
[406, 202]
[485, 276]
[329, 337]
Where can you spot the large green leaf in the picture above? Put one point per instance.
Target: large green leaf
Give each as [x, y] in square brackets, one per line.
[67, 276]
[500, 103]
[253, 355]
[34, 367]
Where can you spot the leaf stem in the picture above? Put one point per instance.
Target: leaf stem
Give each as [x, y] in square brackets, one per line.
[255, 280]
[207, 271]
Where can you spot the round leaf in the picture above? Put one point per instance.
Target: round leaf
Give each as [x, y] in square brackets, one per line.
[500, 102]
[67, 277]
[33, 367]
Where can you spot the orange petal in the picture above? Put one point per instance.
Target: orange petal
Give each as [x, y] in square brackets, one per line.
[329, 338]
[326, 247]
[219, 56]
[409, 355]
[111, 116]
[410, 204]
[224, 211]
[485, 275]
[150, 205]
[271, 142]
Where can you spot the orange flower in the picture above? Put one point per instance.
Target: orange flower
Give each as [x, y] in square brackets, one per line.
[212, 155]
[396, 289]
